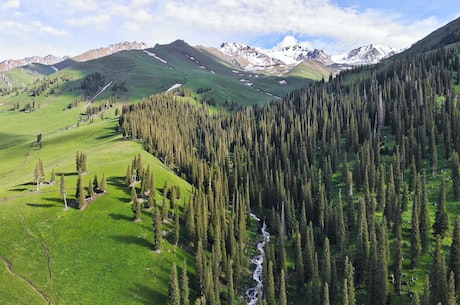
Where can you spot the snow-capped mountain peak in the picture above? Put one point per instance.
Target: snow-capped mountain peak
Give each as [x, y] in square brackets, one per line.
[370, 54]
[247, 57]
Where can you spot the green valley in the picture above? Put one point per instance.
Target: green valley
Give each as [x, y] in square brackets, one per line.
[356, 176]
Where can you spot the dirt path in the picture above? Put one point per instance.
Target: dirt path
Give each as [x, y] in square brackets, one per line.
[42, 244]
[9, 267]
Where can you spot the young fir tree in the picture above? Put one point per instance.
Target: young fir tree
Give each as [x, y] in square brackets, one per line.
[103, 184]
[424, 217]
[441, 222]
[184, 285]
[455, 167]
[414, 250]
[173, 289]
[282, 290]
[39, 173]
[95, 183]
[349, 283]
[270, 288]
[438, 279]
[157, 228]
[80, 193]
[53, 177]
[455, 254]
[90, 189]
[452, 297]
[63, 192]
[176, 226]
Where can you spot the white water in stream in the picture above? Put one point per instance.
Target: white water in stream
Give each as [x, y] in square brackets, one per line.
[258, 260]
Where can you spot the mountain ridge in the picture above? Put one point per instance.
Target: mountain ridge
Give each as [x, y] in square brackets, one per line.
[52, 60]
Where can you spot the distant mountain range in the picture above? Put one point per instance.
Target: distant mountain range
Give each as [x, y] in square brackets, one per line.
[52, 60]
[285, 56]
[279, 59]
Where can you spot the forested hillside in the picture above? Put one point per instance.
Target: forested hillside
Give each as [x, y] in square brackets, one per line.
[357, 178]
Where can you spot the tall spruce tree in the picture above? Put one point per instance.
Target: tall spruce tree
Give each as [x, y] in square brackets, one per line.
[184, 285]
[438, 280]
[455, 254]
[424, 217]
[80, 193]
[173, 289]
[441, 220]
[455, 167]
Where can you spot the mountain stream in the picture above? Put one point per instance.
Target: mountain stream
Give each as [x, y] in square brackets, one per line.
[258, 260]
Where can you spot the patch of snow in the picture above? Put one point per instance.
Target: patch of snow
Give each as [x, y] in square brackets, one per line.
[283, 82]
[155, 56]
[54, 68]
[212, 72]
[175, 86]
[237, 72]
[202, 67]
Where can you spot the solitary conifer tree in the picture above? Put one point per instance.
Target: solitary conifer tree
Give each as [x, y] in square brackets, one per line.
[80, 195]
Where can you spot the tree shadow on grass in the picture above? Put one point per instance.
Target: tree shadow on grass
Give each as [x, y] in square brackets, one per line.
[41, 205]
[66, 174]
[19, 189]
[120, 217]
[127, 239]
[55, 199]
[148, 295]
[119, 182]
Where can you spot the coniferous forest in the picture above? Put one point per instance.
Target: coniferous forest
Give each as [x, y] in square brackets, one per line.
[357, 179]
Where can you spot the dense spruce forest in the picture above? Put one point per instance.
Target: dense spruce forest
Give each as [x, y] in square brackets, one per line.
[357, 178]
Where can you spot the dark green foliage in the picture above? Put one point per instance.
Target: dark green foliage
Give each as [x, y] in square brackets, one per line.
[81, 163]
[424, 217]
[157, 228]
[92, 83]
[103, 184]
[455, 167]
[80, 193]
[281, 160]
[173, 289]
[441, 220]
[438, 279]
[454, 264]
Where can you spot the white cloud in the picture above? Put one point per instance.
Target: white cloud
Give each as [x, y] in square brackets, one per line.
[13, 26]
[82, 5]
[53, 31]
[304, 18]
[99, 22]
[11, 4]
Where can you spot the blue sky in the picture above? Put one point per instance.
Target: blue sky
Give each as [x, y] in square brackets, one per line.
[30, 27]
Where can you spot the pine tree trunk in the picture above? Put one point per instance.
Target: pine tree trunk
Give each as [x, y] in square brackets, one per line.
[65, 202]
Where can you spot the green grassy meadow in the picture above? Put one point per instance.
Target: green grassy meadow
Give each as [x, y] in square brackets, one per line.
[95, 256]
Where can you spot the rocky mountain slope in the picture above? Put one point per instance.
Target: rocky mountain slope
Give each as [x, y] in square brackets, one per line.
[289, 55]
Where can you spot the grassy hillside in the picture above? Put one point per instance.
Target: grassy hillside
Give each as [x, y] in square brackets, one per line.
[95, 256]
